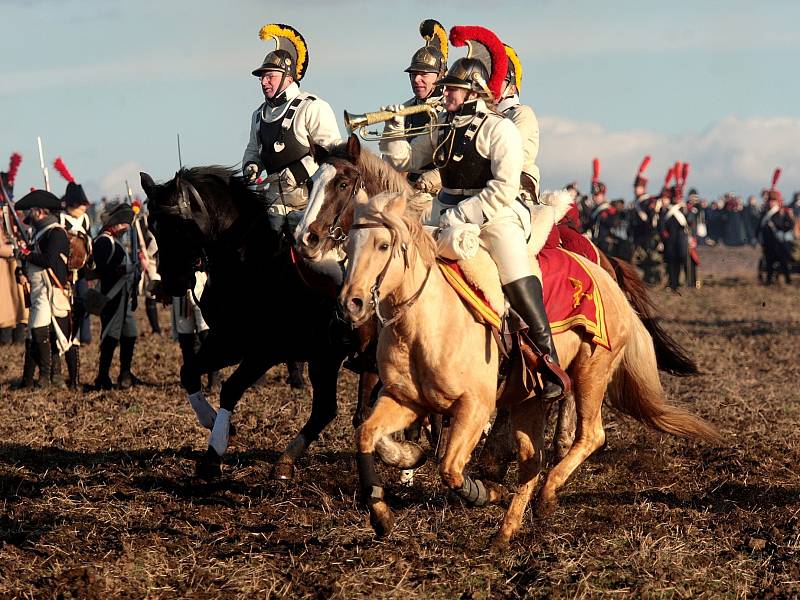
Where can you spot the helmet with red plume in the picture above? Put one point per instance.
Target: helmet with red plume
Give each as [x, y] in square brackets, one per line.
[485, 67]
[641, 180]
[598, 187]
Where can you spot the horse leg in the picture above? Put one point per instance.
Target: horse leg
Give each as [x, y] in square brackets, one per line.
[367, 382]
[467, 424]
[387, 417]
[207, 359]
[497, 452]
[323, 375]
[589, 387]
[565, 426]
[528, 423]
[246, 374]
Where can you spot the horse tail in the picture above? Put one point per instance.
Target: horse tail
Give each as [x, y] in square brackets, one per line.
[671, 357]
[635, 390]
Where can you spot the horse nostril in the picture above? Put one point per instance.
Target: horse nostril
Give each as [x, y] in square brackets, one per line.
[311, 239]
[355, 304]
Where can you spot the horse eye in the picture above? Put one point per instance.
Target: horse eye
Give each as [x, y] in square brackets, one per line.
[343, 185]
[383, 247]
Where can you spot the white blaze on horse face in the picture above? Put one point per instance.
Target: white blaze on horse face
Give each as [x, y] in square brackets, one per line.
[319, 182]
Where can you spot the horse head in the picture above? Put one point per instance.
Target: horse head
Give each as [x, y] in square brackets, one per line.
[382, 248]
[187, 214]
[329, 212]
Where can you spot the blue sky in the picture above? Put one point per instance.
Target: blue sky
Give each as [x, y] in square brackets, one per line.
[108, 84]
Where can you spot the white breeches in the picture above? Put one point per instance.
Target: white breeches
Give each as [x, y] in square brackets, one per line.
[505, 238]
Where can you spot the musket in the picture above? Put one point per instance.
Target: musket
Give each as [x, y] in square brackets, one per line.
[42, 165]
[134, 241]
[21, 231]
[180, 160]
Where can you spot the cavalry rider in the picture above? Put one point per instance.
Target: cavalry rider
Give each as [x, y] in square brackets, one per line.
[525, 119]
[46, 270]
[117, 322]
[480, 158]
[428, 66]
[774, 229]
[282, 127]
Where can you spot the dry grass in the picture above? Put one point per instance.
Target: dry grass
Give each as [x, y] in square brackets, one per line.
[98, 497]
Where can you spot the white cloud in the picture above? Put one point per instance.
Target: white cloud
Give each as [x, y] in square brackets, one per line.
[112, 184]
[732, 154]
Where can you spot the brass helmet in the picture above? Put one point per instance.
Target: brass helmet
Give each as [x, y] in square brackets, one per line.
[290, 56]
[467, 73]
[432, 57]
[485, 66]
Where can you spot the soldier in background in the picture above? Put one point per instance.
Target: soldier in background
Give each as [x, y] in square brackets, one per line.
[113, 267]
[775, 231]
[46, 269]
[13, 312]
[75, 219]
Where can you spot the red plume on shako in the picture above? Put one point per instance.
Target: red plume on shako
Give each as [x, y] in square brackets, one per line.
[598, 187]
[13, 166]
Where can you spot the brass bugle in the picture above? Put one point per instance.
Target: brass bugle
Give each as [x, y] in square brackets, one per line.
[353, 122]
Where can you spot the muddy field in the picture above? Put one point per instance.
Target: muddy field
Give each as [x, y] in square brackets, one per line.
[99, 499]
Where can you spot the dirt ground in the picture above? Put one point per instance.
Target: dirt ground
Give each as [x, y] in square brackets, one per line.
[99, 499]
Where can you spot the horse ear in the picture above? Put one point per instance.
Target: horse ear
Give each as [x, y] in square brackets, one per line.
[148, 185]
[397, 204]
[317, 152]
[353, 148]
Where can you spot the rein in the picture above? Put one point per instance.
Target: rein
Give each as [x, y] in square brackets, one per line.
[335, 233]
[401, 307]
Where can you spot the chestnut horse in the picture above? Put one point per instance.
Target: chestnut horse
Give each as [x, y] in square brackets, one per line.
[434, 357]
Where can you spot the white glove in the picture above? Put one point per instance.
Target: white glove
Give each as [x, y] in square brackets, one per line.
[251, 173]
[467, 211]
[397, 122]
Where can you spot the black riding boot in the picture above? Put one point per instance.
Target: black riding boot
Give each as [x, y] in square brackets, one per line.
[73, 360]
[151, 309]
[126, 378]
[28, 368]
[103, 379]
[525, 296]
[41, 341]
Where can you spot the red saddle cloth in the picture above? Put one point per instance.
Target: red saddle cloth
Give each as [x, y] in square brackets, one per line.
[571, 297]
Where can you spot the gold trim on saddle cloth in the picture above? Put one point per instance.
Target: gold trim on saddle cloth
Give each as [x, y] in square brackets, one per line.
[483, 311]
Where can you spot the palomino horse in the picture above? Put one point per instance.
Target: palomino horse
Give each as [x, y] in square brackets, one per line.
[260, 311]
[433, 356]
[326, 223]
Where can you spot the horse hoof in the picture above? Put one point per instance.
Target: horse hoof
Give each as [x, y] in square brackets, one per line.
[545, 507]
[381, 519]
[498, 494]
[499, 543]
[283, 471]
[209, 466]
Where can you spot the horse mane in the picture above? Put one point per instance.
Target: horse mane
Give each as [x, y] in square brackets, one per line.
[383, 177]
[422, 243]
[218, 177]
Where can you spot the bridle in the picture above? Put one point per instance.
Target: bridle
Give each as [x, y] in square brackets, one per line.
[183, 209]
[335, 233]
[401, 307]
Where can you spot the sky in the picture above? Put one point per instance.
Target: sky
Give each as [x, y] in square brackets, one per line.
[109, 84]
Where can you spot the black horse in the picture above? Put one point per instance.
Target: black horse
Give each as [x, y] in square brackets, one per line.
[259, 309]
